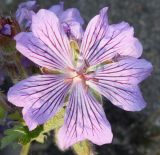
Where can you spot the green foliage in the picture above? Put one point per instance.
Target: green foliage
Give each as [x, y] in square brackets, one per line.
[2, 113]
[55, 122]
[97, 95]
[21, 134]
[16, 116]
[83, 148]
[11, 135]
[7, 44]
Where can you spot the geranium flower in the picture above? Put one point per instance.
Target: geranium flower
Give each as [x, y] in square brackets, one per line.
[24, 13]
[106, 62]
[6, 30]
[70, 19]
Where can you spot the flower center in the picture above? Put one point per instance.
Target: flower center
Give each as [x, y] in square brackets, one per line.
[74, 76]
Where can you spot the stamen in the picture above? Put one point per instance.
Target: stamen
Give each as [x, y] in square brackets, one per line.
[45, 70]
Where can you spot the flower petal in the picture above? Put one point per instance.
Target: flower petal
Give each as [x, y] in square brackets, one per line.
[71, 21]
[40, 96]
[119, 40]
[129, 46]
[24, 18]
[103, 42]
[24, 13]
[85, 119]
[73, 30]
[57, 9]
[119, 82]
[30, 5]
[47, 28]
[38, 51]
[72, 15]
[94, 33]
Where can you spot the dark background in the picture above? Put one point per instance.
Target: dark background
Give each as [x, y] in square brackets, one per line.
[135, 133]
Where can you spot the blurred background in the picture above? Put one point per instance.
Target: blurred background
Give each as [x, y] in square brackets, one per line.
[135, 133]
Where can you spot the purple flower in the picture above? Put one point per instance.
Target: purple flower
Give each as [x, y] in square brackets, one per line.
[24, 13]
[107, 62]
[70, 19]
[6, 30]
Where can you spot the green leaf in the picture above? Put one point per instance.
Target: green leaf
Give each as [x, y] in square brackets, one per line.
[30, 135]
[83, 148]
[96, 95]
[11, 136]
[15, 116]
[41, 138]
[16, 130]
[55, 122]
[8, 140]
[21, 134]
[2, 113]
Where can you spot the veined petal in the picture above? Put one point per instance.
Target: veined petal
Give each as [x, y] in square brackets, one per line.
[47, 28]
[85, 119]
[129, 45]
[73, 29]
[94, 33]
[38, 51]
[119, 82]
[71, 20]
[76, 30]
[102, 42]
[40, 96]
[119, 40]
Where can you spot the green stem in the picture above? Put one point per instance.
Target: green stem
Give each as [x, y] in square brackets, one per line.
[25, 149]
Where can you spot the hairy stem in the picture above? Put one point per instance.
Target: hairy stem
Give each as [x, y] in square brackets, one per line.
[25, 149]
